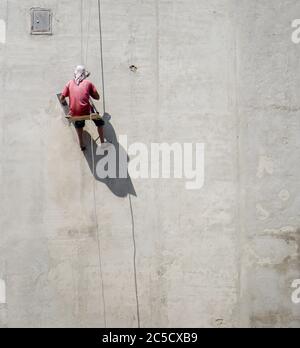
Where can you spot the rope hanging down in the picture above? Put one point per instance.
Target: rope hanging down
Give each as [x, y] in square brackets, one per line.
[101, 55]
[94, 184]
[101, 281]
[104, 111]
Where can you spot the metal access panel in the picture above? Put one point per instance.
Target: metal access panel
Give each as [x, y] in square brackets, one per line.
[41, 21]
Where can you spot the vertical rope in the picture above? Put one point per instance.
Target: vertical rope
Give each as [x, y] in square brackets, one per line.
[94, 184]
[130, 202]
[94, 187]
[134, 265]
[101, 281]
[88, 37]
[101, 55]
[98, 232]
[81, 30]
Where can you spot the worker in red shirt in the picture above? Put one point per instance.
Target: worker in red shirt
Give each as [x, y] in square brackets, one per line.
[79, 90]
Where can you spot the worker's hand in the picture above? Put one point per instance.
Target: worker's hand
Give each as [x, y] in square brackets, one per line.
[63, 100]
[96, 96]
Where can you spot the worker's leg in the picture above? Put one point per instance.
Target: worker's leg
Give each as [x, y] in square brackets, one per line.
[100, 124]
[80, 136]
[79, 125]
[101, 134]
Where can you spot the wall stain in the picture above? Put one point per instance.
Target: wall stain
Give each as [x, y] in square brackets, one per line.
[284, 316]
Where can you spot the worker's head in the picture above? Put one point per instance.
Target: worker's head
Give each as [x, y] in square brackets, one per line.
[80, 74]
[80, 69]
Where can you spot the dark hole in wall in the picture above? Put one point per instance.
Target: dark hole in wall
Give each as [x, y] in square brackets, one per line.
[133, 68]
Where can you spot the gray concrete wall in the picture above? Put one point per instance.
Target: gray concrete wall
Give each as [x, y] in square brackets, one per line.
[220, 72]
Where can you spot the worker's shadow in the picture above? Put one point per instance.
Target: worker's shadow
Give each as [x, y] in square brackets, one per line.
[120, 186]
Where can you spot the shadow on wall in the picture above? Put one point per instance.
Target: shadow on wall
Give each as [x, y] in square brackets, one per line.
[121, 187]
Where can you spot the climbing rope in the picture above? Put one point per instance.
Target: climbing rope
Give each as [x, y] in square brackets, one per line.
[130, 202]
[88, 37]
[101, 55]
[81, 29]
[134, 265]
[97, 223]
[101, 280]
[93, 164]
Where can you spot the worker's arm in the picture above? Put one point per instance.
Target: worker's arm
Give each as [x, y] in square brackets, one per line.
[63, 100]
[96, 96]
[94, 93]
[65, 93]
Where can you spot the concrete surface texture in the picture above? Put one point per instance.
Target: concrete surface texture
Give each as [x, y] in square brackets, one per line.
[220, 72]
